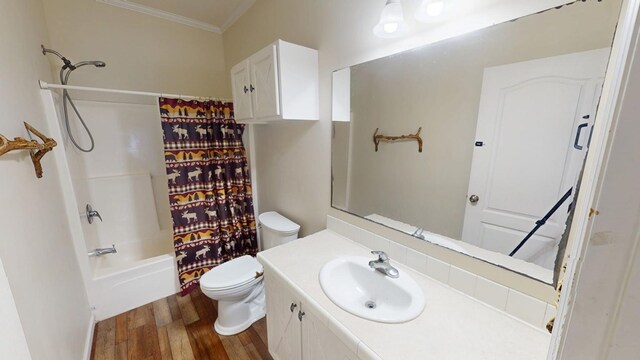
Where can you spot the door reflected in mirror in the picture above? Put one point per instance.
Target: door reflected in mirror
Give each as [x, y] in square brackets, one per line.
[506, 114]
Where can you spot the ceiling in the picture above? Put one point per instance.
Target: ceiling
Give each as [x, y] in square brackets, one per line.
[211, 15]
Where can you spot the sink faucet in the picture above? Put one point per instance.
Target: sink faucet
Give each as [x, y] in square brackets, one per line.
[382, 265]
[103, 251]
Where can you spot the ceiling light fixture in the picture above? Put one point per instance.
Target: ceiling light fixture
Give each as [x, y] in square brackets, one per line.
[429, 10]
[391, 22]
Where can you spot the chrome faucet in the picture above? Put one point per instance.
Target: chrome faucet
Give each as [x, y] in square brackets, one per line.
[382, 265]
[418, 233]
[91, 214]
[103, 251]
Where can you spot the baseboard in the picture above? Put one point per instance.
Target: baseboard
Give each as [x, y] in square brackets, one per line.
[89, 341]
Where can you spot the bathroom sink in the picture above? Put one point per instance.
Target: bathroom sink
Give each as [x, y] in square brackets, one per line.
[356, 288]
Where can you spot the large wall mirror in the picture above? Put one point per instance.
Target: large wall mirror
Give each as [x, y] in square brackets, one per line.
[505, 114]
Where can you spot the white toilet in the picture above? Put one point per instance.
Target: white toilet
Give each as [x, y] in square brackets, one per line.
[237, 284]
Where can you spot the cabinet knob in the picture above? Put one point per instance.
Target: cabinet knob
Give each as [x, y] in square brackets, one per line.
[292, 306]
[251, 88]
[245, 89]
[300, 315]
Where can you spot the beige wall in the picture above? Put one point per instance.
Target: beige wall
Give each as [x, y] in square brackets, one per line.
[294, 159]
[35, 245]
[438, 88]
[142, 52]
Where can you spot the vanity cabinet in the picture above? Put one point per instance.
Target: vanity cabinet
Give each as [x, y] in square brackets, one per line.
[295, 331]
[279, 82]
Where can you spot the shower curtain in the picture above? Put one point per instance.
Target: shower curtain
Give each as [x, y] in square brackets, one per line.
[209, 186]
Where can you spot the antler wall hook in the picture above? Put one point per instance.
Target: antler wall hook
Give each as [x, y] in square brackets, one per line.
[377, 138]
[38, 150]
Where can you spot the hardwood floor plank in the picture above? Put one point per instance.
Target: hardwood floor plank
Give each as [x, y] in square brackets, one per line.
[140, 316]
[233, 346]
[188, 311]
[165, 346]
[105, 340]
[174, 307]
[260, 327]
[248, 346]
[259, 344]
[121, 351]
[143, 342]
[205, 342]
[161, 312]
[122, 330]
[179, 341]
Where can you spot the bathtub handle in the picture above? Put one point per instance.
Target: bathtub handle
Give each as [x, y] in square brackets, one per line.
[92, 213]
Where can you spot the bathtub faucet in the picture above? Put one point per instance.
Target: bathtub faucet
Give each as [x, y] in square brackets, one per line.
[103, 251]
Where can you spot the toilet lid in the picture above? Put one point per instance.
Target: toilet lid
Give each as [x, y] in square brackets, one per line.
[232, 273]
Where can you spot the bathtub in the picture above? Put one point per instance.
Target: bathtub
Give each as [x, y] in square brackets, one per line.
[141, 272]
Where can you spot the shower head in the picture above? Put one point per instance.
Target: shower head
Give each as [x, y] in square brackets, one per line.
[67, 62]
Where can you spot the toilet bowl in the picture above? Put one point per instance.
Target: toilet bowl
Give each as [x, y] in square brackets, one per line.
[238, 283]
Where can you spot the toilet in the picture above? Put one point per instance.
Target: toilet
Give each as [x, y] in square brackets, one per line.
[237, 284]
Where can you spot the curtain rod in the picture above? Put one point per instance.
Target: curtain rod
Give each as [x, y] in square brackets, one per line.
[46, 86]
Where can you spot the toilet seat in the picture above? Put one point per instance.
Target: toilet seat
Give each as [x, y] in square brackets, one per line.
[232, 275]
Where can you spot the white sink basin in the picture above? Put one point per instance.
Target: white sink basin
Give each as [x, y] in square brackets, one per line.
[352, 285]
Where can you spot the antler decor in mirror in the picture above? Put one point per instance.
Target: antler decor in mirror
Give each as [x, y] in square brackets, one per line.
[37, 149]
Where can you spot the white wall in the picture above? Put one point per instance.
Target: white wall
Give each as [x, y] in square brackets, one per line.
[142, 52]
[294, 159]
[13, 344]
[35, 246]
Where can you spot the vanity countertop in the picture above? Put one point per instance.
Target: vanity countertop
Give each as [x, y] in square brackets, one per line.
[452, 325]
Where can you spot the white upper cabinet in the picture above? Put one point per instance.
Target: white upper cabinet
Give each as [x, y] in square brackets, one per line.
[279, 82]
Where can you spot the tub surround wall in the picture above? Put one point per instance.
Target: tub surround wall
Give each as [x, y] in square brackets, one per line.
[35, 247]
[128, 142]
[515, 303]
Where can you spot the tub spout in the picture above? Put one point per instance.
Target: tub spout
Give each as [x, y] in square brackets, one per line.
[103, 251]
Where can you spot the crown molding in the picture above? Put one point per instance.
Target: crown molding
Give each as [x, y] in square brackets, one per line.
[237, 13]
[171, 16]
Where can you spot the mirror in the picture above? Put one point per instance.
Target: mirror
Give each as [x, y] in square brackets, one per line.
[504, 115]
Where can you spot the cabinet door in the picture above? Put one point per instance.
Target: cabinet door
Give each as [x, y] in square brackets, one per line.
[240, 84]
[283, 326]
[264, 83]
[320, 343]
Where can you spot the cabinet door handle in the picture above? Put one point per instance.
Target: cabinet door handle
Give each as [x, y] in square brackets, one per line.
[245, 89]
[300, 315]
[251, 87]
[292, 306]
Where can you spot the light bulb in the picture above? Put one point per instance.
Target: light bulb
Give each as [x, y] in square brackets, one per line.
[391, 27]
[430, 10]
[391, 22]
[435, 8]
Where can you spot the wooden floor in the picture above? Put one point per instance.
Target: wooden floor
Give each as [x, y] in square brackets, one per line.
[176, 328]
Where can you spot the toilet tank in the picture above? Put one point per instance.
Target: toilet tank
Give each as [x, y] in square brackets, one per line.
[276, 229]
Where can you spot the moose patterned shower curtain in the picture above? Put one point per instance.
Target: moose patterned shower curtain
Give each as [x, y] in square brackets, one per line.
[209, 186]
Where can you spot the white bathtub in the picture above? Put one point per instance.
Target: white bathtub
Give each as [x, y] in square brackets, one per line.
[140, 272]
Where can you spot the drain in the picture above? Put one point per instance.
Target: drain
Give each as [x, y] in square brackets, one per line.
[370, 304]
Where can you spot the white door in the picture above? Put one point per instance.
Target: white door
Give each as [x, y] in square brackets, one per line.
[530, 145]
[283, 326]
[264, 83]
[240, 83]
